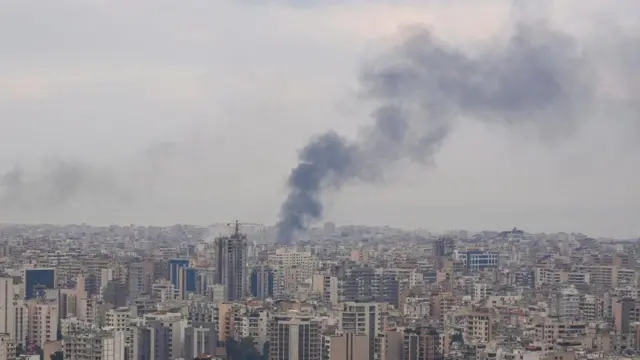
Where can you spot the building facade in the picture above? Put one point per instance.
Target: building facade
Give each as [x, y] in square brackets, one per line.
[231, 265]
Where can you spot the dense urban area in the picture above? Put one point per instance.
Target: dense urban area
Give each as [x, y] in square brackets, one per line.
[230, 292]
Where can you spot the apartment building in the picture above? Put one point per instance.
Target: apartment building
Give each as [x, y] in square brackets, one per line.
[421, 344]
[364, 319]
[294, 337]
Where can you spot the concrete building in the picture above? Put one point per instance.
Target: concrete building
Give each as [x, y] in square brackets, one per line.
[262, 282]
[347, 346]
[41, 321]
[327, 287]
[7, 347]
[565, 303]
[367, 319]
[421, 344]
[200, 339]
[94, 345]
[290, 268]
[7, 308]
[140, 278]
[477, 327]
[174, 271]
[44, 278]
[253, 324]
[187, 282]
[118, 319]
[160, 337]
[294, 337]
[231, 264]
[389, 345]
[479, 260]
[443, 246]
[481, 291]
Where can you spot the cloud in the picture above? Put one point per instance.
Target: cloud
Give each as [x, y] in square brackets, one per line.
[99, 82]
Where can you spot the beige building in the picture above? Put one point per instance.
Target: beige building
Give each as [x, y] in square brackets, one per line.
[118, 319]
[367, 319]
[441, 305]
[476, 327]
[327, 287]
[294, 337]
[41, 321]
[98, 345]
[7, 347]
[421, 344]
[347, 346]
[549, 331]
[389, 345]
[291, 267]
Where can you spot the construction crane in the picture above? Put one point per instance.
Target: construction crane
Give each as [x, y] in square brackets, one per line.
[236, 225]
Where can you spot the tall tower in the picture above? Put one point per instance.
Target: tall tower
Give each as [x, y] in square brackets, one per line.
[7, 307]
[231, 261]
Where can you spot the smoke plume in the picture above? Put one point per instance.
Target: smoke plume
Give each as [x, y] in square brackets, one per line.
[536, 77]
[58, 185]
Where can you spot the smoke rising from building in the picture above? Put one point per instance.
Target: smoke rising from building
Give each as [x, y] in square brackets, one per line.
[536, 77]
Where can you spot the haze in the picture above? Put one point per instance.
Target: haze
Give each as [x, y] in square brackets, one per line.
[161, 112]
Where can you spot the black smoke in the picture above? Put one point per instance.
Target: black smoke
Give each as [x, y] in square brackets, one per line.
[534, 77]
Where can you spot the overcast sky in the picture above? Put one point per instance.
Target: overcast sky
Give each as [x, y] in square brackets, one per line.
[193, 111]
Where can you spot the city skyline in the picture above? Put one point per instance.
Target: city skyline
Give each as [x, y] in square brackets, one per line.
[319, 180]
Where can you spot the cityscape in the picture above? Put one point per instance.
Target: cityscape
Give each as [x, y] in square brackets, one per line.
[345, 293]
[181, 180]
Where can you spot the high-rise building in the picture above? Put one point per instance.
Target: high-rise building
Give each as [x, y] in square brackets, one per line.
[477, 328]
[159, 338]
[205, 278]
[41, 321]
[622, 317]
[294, 337]
[93, 345]
[200, 339]
[421, 344]
[443, 246]
[362, 284]
[7, 308]
[262, 281]
[231, 264]
[44, 278]
[290, 268]
[389, 346]
[364, 319]
[327, 287]
[347, 346]
[479, 260]
[117, 319]
[140, 279]
[217, 293]
[174, 271]
[187, 282]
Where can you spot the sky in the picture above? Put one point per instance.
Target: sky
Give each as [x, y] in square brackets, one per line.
[163, 112]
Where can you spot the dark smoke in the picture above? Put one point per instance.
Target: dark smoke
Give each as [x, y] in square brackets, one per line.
[536, 77]
[59, 187]
[56, 184]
